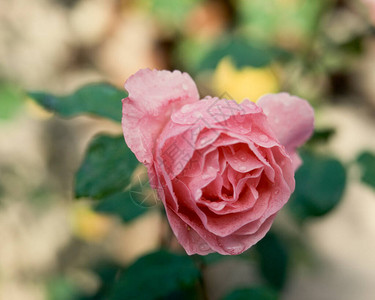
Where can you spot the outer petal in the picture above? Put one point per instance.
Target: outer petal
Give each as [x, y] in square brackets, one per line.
[153, 97]
[291, 118]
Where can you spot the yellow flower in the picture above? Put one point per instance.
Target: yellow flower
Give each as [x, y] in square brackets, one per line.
[245, 83]
[89, 225]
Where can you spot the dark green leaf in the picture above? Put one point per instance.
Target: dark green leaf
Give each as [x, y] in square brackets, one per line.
[366, 161]
[100, 99]
[321, 135]
[273, 260]
[107, 273]
[354, 45]
[211, 258]
[106, 169]
[320, 184]
[242, 53]
[159, 275]
[252, 293]
[121, 205]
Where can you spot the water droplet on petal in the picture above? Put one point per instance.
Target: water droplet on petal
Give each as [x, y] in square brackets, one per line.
[184, 87]
[243, 157]
[240, 117]
[217, 205]
[206, 176]
[197, 114]
[243, 129]
[197, 194]
[204, 247]
[276, 192]
[263, 138]
[242, 168]
[234, 249]
[186, 108]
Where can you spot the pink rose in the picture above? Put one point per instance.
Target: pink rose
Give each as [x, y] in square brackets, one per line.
[223, 170]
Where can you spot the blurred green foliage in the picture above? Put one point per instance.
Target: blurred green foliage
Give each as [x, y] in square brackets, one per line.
[252, 293]
[107, 273]
[98, 99]
[273, 20]
[242, 52]
[273, 260]
[122, 205]
[320, 184]
[11, 99]
[171, 13]
[61, 288]
[366, 161]
[159, 275]
[321, 136]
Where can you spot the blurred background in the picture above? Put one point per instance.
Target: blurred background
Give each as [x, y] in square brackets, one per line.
[54, 247]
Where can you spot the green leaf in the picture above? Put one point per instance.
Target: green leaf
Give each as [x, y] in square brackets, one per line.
[252, 293]
[273, 260]
[366, 161]
[121, 205]
[106, 272]
[11, 99]
[321, 136]
[211, 258]
[100, 99]
[242, 53]
[106, 169]
[170, 12]
[158, 275]
[276, 20]
[320, 184]
[61, 288]
[190, 52]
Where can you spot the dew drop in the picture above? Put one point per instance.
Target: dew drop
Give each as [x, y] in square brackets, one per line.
[197, 114]
[203, 142]
[197, 194]
[263, 138]
[186, 108]
[240, 118]
[243, 129]
[206, 176]
[184, 87]
[204, 247]
[243, 157]
[234, 249]
[276, 192]
[217, 205]
[242, 168]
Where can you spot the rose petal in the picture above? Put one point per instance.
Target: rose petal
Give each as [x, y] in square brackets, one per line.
[291, 118]
[153, 97]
